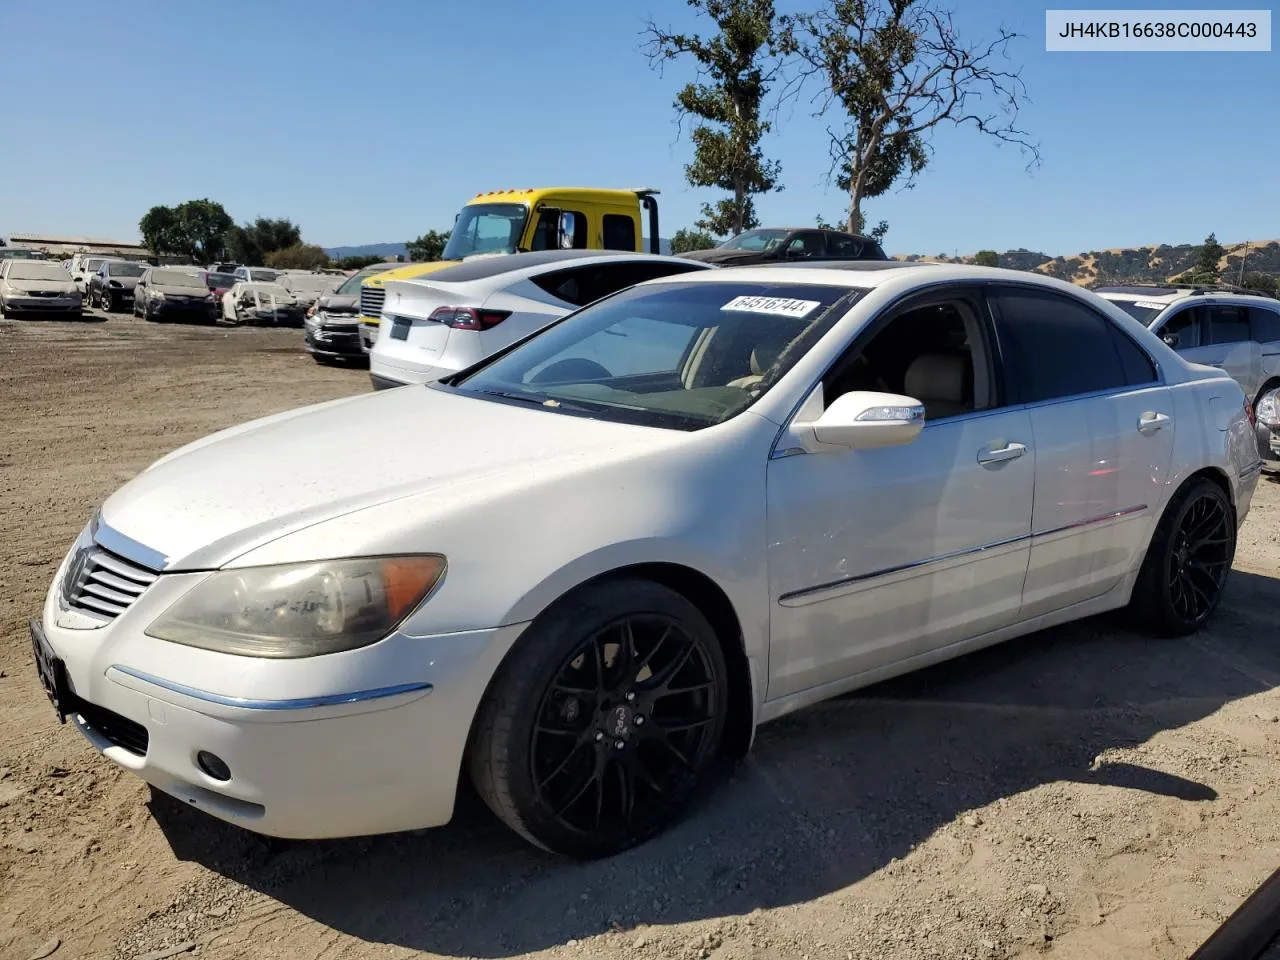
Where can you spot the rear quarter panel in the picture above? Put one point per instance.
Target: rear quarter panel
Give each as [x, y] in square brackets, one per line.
[1213, 430]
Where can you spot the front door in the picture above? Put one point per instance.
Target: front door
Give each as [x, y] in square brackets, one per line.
[877, 556]
[1103, 430]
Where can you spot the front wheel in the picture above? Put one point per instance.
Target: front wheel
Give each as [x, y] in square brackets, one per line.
[107, 300]
[1187, 562]
[603, 722]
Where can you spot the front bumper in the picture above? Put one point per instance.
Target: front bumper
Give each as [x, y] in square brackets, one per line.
[43, 304]
[361, 742]
[179, 308]
[368, 333]
[334, 342]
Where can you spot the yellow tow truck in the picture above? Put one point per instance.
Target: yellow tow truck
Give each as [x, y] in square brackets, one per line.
[517, 221]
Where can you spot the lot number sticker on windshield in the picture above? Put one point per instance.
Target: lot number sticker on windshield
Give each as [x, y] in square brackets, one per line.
[782, 306]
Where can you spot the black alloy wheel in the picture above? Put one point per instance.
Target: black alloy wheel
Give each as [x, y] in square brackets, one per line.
[107, 300]
[1188, 561]
[604, 721]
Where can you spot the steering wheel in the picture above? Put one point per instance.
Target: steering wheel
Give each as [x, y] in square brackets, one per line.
[571, 369]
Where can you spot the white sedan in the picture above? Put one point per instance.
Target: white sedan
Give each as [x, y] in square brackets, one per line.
[578, 572]
[457, 316]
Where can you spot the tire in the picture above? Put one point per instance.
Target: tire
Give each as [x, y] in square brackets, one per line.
[1188, 560]
[615, 760]
[107, 300]
[146, 313]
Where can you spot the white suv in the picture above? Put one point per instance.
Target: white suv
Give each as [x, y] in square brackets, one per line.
[1232, 328]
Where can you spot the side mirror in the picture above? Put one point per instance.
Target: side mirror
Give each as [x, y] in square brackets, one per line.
[1171, 339]
[863, 420]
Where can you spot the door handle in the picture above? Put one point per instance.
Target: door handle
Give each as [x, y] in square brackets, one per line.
[1151, 421]
[1008, 452]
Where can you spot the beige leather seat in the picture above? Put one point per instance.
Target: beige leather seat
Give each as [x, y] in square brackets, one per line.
[764, 356]
[939, 380]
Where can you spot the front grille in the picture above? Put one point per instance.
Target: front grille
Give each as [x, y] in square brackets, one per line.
[46, 293]
[103, 584]
[121, 731]
[371, 300]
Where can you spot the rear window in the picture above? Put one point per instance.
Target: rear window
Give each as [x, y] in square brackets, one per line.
[1265, 324]
[220, 281]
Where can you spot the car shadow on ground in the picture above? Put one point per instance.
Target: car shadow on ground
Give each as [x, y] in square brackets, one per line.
[828, 796]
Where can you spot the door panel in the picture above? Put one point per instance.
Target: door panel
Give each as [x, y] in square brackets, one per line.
[878, 555]
[1099, 482]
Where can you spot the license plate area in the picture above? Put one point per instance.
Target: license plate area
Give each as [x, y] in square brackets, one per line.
[52, 673]
[400, 328]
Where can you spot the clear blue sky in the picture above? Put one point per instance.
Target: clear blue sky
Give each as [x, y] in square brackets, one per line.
[376, 127]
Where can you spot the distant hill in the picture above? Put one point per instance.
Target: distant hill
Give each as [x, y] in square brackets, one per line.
[1158, 263]
[392, 250]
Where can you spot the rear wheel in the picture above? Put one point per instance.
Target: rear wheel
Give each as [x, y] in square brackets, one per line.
[604, 721]
[1187, 562]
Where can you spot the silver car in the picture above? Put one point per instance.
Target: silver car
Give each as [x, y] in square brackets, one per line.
[1226, 327]
[37, 286]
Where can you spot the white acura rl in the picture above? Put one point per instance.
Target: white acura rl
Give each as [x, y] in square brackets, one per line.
[583, 567]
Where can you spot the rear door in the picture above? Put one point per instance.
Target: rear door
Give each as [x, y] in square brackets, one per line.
[1264, 325]
[1103, 429]
[1230, 336]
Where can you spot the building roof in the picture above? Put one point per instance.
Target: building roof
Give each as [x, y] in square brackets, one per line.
[41, 239]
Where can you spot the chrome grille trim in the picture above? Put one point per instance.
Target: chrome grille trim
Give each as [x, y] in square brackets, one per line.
[371, 300]
[103, 584]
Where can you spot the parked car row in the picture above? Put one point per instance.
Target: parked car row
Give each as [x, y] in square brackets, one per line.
[585, 567]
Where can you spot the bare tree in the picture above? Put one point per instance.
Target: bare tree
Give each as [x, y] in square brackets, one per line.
[735, 67]
[896, 70]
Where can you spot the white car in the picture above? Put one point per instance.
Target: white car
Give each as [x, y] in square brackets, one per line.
[457, 316]
[578, 572]
[262, 303]
[256, 274]
[1231, 328]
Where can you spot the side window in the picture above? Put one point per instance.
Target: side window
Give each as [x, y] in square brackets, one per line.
[1138, 368]
[809, 243]
[1228, 324]
[1054, 347]
[549, 222]
[1182, 330]
[1264, 324]
[844, 247]
[936, 352]
[619, 232]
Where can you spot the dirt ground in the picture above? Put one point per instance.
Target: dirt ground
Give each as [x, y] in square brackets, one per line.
[1082, 793]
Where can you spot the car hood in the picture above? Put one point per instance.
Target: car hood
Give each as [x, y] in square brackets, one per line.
[177, 291]
[211, 501]
[336, 303]
[18, 286]
[716, 255]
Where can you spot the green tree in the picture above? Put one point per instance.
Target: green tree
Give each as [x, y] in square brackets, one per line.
[877, 233]
[430, 246]
[195, 229]
[896, 70]
[250, 243]
[684, 240]
[986, 258]
[357, 262]
[1264, 282]
[736, 66]
[1207, 269]
[300, 256]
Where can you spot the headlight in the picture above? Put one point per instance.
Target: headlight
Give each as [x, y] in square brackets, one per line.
[155, 294]
[300, 609]
[1268, 412]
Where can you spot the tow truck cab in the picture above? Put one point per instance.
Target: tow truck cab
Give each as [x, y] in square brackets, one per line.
[516, 221]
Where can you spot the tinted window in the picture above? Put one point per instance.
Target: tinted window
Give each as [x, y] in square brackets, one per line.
[1138, 368]
[619, 232]
[810, 243]
[844, 246]
[1054, 347]
[1228, 324]
[1142, 311]
[1264, 324]
[1182, 330]
[582, 285]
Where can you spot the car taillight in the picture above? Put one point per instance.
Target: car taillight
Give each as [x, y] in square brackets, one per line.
[469, 318]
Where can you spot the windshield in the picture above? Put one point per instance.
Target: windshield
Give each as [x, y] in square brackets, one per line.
[176, 278]
[756, 240]
[1145, 312]
[262, 276]
[126, 270]
[351, 286]
[35, 270]
[677, 355]
[91, 266]
[486, 228]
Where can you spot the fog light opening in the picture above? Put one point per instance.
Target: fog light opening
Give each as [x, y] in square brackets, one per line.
[213, 766]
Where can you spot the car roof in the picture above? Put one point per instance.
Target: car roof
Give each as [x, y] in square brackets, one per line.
[481, 268]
